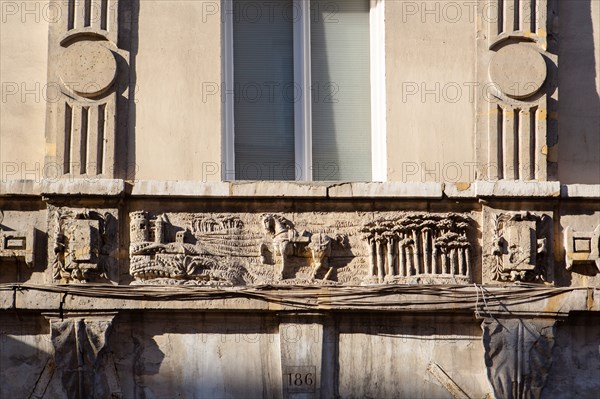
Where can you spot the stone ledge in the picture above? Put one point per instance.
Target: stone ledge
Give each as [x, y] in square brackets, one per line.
[290, 189]
[96, 187]
[460, 190]
[278, 189]
[20, 188]
[386, 190]
[171, 188]
[468, 299]
[516, 188]
[580, 191]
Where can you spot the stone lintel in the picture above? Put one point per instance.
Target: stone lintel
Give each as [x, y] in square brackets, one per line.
[281, 189]
[481, 301]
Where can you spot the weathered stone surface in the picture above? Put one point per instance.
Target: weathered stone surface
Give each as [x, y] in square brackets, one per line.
[518, 356]
[518, 71]
[92, 186]
[519, 247]
[254, 249]
[162, 188]
[277, 189]
[88, 68]
[506, 188]
[580, 190]
[389, 189]
[83, 244]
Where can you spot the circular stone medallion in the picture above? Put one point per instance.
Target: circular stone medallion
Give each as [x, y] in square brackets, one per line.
[88, 68]
[518, 70]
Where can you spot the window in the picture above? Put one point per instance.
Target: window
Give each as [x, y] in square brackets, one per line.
[305, 90]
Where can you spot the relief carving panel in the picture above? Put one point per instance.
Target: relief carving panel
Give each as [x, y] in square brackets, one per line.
[83, 244]
[518, 248]
[311, 248]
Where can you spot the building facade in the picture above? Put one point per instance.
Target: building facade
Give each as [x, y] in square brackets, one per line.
[299, 199]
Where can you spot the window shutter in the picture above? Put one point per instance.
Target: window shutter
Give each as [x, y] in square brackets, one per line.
[341, 90]
[264, 90]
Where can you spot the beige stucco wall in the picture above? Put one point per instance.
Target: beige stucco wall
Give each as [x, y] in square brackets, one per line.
[23, 90]
[177, 131]
[176, 109]
[430, 66]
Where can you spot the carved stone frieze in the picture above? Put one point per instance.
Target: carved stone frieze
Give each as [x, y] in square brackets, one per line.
[582, 247]
[251, 249]
[83, 243]
[518, 248]
[434, 248]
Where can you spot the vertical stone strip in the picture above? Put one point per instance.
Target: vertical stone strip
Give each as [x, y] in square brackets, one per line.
[517, 80]
[87, 89]
[303, 366]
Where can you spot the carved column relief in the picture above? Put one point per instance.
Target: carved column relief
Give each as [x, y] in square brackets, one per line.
[518, 356]
[516, 88]
[86, 97]
[518, 248]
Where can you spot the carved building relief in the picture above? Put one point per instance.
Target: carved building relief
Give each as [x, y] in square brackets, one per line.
[582, 247]
[252, 249]
[516, 86]
[87, 92]
[518, 248]
[82, 245]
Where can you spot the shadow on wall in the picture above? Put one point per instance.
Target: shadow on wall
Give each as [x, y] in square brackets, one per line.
[575, 371]
[25, 349]
[129, 11]
[579, 100]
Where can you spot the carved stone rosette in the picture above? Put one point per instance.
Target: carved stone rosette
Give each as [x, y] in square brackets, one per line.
[516, 86]
[82, 245]
[87, 88]
[519, 248]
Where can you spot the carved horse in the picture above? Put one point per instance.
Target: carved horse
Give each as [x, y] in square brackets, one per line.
[286, 239]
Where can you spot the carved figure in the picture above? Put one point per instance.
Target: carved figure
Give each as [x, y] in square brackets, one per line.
[287, 241]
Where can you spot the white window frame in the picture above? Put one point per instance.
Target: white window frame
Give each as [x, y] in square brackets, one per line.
[303, 109]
